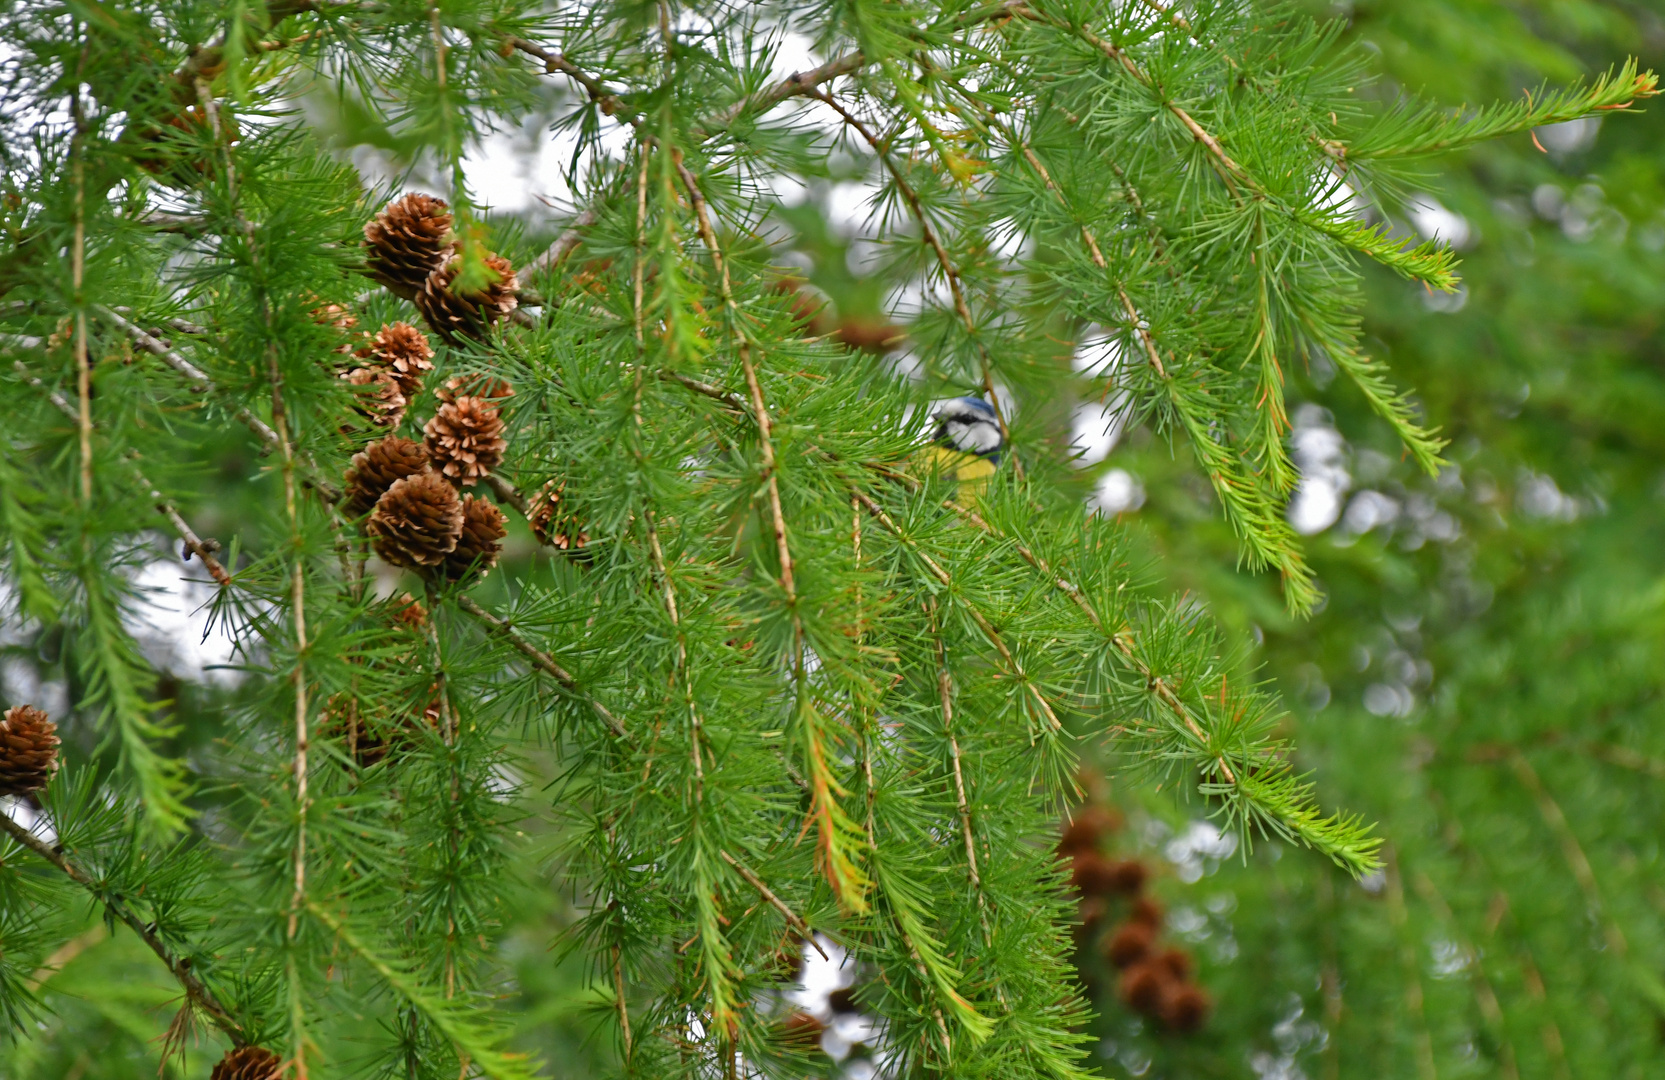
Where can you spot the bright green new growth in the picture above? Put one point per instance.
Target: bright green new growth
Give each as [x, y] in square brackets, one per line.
[802, 683]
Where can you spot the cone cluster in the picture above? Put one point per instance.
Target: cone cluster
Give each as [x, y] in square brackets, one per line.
[1156, 981]
[416, 518]
[411, 248]
[28, 750]
[248, 1063]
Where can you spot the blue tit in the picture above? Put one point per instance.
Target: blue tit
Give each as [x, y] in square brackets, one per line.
[967, 441]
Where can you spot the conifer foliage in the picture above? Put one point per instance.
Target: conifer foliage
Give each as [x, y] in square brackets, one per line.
[777, 677]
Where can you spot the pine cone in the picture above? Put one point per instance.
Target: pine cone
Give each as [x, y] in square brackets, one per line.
[248, 1063]
[480, 542]
[384, 403]
[1086, 829]
[553, 522]
[377, 466]
[402, 351]
[343, 720]
[454, 316]
[407, 241]
[481, 386]
[28, 750]
[409, 613]
[417, 522]
[1186, 1008]
[337, 316]
[1129, 944]
[465, 439]
[1147, 911]
[1145, 987]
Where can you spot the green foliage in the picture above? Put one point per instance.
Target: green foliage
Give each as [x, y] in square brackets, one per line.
[800, 681]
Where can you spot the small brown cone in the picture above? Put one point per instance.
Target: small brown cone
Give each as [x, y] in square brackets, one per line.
[1178, 963]
[1186, 1008]
[481, 540]
[402, 351]
[465, 439]
[380, 399]
[1147, 911]
[1145, 987]
[409, 613]
[480, 386]
[28, 750]
[407, 241]
[1129, 944]
[1086, 829]
[377, 466]
[1128, 876]
[553, 522]
[342, 719]
[455, 316]
[417, 522]
[248, 1063]
[1092, 874]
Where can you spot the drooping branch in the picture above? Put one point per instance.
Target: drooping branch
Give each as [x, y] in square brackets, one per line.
[199, 547]
[180, 967]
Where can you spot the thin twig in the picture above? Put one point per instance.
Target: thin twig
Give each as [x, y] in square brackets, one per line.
[180, 967]
[1571, 850]
[543, 661]
[199, 380]
[776, 902]
[949, 270]
[977, 616]
[203, 549]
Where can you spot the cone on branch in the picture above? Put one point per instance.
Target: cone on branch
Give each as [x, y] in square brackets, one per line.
[248, 1063]
[455, 315]
[417, 521]
[340, 318]
[1186, 1008]
[481, 540]
[377, 467]
[407, 241]
[402, 351]
[465, 439]
[480, 386]
[553, 521]
[28, 750]
[380, 399]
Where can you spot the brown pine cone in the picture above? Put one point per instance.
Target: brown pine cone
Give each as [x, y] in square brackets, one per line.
[1145, 987]
[248, 1063]
[465, 439]
[409, 613]
[343, 720]
[402, 351]
[417, 521]
[377, 466]
[339, 317]
[481, 386]
[407, 241]
[28, 750]
[1128, 876]
[553, 522]
[1178, 963]
[1129, 944]
[1092, 874]
[1086, 829]
[455, 316]
[383, 403]
[481, 540]
[1147, 911]
[1186, 1008]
